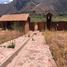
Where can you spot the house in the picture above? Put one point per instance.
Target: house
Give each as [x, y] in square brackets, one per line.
[18, 21]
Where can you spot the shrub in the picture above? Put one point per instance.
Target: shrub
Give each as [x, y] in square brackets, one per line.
[4, 46]
[11, 46]
[29, 35]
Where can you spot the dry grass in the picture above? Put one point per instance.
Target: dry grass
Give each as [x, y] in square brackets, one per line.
[58, 46]
[8, 35]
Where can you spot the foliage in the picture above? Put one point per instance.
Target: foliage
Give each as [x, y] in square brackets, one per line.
[58, 46]
[11, 46]
[59, 18]
[9, 35]
[38, 18]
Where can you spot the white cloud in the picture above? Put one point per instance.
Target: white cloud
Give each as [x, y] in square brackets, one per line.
[5, 1]
[10, 0]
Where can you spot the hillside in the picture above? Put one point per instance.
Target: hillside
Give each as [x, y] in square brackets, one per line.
[39, 6]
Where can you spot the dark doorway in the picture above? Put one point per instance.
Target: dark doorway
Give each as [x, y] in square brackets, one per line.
[49, 20]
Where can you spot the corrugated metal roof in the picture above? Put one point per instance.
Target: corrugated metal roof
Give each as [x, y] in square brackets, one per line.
[14, 17]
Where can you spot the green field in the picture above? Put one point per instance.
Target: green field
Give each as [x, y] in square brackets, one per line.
[59, 18]
[42, 18]
[38, 18]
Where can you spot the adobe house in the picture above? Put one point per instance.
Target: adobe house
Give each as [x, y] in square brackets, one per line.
[19, 20]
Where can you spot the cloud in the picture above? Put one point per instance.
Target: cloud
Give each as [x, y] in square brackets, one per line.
[5, 1]
[10, 0]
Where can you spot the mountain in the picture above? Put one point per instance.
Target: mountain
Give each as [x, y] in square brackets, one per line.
[54, 6]
[9, 8]
[13, 7]
[39, 6]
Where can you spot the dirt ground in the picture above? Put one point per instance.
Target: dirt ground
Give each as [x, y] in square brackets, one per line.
[58, 46]
[6, 35]
[35, 53]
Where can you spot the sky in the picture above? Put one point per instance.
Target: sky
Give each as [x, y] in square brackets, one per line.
[5, 1]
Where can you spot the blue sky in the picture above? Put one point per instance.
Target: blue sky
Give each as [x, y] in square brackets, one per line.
[5, 1]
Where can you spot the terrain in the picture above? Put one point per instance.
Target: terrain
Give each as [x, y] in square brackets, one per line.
[8, 35]
[57, 42]
[39, 6]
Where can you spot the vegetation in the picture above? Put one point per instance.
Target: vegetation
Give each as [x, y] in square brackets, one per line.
[11, 46]
[38, 18]
[58, 46]
[42, 18]
[59, 18]
[9, 35]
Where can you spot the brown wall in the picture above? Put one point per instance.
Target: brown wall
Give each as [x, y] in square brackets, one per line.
[41, 26]
[61, 25]
[32, 26]
[26, 28]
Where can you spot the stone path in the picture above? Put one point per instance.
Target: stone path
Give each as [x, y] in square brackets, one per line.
[6, 53]
[36, 53]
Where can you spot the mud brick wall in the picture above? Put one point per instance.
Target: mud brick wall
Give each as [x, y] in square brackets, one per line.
[26, 27]
[41, 26]
[59, 25]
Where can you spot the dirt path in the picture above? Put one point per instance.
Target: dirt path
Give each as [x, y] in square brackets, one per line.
[36, 53]
[6, 54]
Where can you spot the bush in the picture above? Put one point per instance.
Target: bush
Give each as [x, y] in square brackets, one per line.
[29, 35]
[11, 46]
[4, 46]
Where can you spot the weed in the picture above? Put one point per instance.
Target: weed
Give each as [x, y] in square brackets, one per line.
[11, 46]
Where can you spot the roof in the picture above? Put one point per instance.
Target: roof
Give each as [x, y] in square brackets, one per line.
[14, 17]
